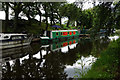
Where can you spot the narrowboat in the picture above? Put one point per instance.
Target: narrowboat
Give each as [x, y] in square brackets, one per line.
[58, 35]
[14, 40]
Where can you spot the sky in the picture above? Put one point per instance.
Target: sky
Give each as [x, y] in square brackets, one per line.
[71, 1]
[86, 6]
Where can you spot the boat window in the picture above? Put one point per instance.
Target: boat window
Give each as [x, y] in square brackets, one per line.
[56, 33]
[16, 37]
[65, 33]
[74, 32]
[61, 33]
[6, 37]
[25, 37]
[68, 32]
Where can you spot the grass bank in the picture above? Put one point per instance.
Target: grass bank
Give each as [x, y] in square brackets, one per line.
[107, 65]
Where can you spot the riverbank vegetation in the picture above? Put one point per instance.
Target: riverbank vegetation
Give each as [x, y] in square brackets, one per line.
[107, 65]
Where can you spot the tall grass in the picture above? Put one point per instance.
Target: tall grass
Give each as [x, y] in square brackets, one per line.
[107, 66]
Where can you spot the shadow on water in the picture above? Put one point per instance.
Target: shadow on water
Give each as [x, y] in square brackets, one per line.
[53, 61]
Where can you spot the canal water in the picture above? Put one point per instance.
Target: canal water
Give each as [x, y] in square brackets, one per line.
[59, 60]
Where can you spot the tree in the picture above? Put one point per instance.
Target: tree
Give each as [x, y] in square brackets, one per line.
[38, 9]
[85, 18]
[17, 8]
[116, 14]
[55, 13]
[58, 11]
[6, 9]
[29, 9]
[70, 11]
[46, 9]
[102, 17]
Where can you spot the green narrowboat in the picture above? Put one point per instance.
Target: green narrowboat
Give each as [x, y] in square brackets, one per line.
[58, 35]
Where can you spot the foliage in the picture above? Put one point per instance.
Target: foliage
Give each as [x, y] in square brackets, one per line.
[103, 16]
[70, 11]
[29, 10]
[85, 18]
[117, 15]
[107, 65]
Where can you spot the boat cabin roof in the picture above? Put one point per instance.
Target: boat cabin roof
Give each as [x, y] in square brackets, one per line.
[4, 36]
[62, 30]
[11, 34]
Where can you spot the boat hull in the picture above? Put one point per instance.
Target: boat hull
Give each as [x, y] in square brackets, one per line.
[14, 40]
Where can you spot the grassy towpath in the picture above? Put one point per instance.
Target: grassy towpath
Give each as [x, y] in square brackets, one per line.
[107, 65]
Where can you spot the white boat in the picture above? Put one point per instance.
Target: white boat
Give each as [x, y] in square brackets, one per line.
[14, 40]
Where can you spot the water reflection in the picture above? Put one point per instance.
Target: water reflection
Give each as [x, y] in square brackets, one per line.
[64, 46]
[80, 68]
[113, 38]
[14, 53]
[53, 61]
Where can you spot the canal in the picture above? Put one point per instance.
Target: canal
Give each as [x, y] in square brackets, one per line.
[59, 60]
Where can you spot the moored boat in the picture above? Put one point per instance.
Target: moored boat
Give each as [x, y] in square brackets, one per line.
[13, 40]
[58, 35]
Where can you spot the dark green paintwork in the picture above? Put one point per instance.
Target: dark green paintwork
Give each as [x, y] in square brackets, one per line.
[61, 36]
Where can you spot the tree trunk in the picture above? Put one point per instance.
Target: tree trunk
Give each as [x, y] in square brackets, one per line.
[52, 16]
[77, 23]
[94, 3]
[29, 19]
[40, 14]
[16, 20]
[68, 23]
[46, 23]
[59, 18]
[51, 21]
[60, 21]
[46, 16]
[40, 19]
[6, 16]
